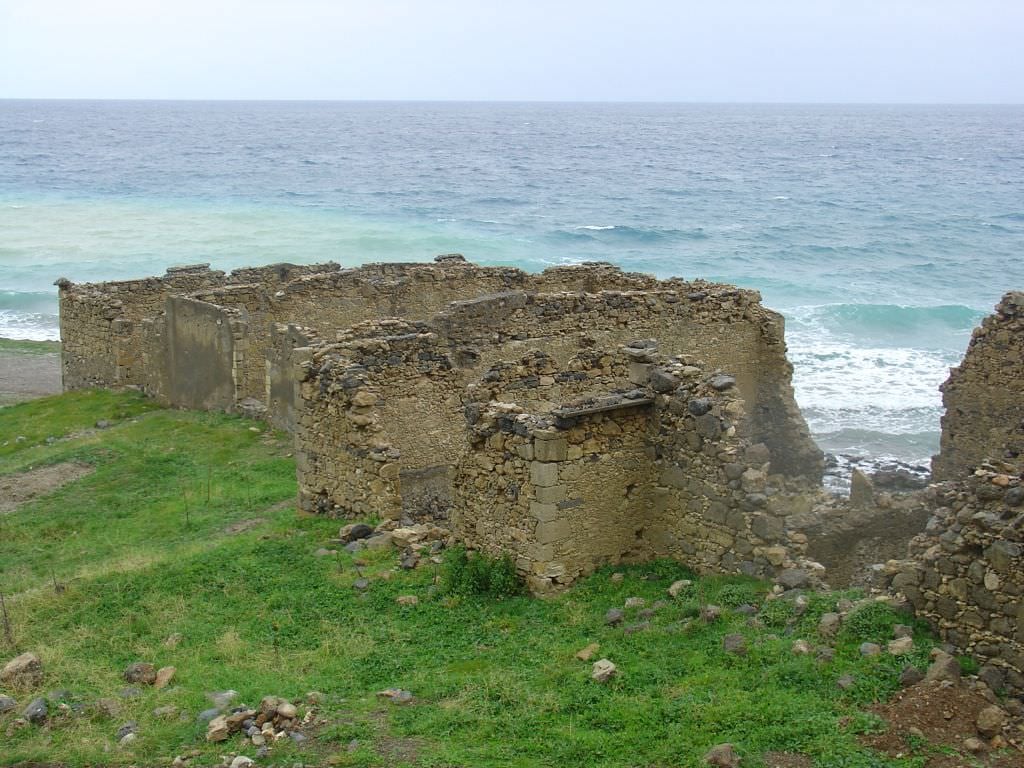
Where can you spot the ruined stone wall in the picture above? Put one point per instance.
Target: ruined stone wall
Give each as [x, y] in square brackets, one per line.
[204, 355]
[965, 573]
[984, 395]
[289, 350]
[654, 467]
[722, 327]
[100, 324]
[419, 371]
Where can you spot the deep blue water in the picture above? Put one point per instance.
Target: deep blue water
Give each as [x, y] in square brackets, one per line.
[883, 233]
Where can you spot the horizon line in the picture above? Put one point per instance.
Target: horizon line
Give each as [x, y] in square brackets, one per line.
[518, 101]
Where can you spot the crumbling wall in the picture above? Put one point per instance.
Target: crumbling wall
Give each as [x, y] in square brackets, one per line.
[100, 324]
[418, 372]
[204, 354]
[965, 573]
[289, 350]
[651, 467]
[984, 395]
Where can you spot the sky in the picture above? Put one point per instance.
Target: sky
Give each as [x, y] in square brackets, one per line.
[875, 51]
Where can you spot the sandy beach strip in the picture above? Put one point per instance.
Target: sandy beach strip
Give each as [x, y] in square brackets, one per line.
[28, 369]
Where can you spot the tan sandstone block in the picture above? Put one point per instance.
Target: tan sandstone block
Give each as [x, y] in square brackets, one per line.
[555, 530]
[543, 473]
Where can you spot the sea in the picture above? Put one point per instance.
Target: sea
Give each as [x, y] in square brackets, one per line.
[883, 234]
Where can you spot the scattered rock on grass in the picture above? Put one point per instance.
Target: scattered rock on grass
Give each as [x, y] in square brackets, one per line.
[603, 671]
[722, 756]
[164, 676]
[677, 587]
[846, 682]
[710, 613]
[910, 676]
[944, 667]
[140, 672]
[801, 648]
[407, 600]
[396, 696]
[24, 671]
[585, 654]
[735, 644]
[7, 703]
[870, 649]
[901, 646]
[635, 602]
[36, 712]
[614, 616]
[617, 577]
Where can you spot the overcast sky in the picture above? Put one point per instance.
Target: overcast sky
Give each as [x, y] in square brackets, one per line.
[634, 50]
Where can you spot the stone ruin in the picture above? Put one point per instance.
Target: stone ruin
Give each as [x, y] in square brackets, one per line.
[579, 417]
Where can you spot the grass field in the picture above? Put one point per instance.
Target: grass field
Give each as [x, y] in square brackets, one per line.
[186, 526]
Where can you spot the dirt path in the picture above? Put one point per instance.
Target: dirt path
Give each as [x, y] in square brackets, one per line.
[28, 370]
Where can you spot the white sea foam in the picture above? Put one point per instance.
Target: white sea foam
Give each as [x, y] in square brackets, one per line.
[33, 326]
[596, 227]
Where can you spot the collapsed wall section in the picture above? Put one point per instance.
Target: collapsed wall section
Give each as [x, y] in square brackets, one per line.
[965, 573]
[984, 395]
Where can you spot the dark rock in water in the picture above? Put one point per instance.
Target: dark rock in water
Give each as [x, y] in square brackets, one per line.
[36, 712]
[898, 480]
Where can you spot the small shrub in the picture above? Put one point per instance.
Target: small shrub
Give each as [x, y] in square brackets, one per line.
[475, 573]
[776, 613]
[735, 595]
[870, 623]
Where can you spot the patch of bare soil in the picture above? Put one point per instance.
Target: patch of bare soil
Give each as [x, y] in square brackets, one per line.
[22, 487]
[27, 376]
[787, 760]
[244, 525]
[944, 717]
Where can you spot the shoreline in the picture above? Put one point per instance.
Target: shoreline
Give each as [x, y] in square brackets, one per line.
[28, 369]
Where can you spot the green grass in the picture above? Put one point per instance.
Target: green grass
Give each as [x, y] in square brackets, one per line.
[30, 347]
[495, 680]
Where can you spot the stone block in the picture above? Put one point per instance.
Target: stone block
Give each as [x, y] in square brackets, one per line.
[551, 494]
[544, 512]
[551, 449]
[550, 532]
[543, 473]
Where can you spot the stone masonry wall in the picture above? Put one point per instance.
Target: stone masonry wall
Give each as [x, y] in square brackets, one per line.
[653, 467]
[418, 372]
[965, 573]
[100, 324]
[984, 395]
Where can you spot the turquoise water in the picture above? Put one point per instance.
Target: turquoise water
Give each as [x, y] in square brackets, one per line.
[883, 234]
